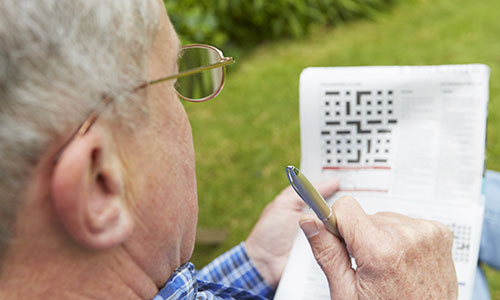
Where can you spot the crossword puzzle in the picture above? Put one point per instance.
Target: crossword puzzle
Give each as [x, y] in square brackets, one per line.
[461, 242]
[357, 128]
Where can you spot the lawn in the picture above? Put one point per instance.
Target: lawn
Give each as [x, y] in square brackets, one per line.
[245, 137]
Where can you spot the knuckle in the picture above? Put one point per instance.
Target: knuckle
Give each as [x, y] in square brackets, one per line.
[385, 214]
[326, 256]
[343, 203]
[424, 235]
[429, 229]
[323, 254]
[347, 200]
[444, 235]
[438, 232]
[419, 232]
[444, 229]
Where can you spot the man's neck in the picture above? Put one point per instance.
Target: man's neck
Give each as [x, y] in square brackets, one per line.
[42, 262]
[29, 275]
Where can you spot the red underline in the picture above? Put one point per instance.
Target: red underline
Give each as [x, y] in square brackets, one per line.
[357, 168]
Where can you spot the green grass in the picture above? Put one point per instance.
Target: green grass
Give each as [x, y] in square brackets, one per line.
[246, 137]
[494, 282]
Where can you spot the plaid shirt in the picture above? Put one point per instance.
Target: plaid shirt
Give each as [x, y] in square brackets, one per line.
[231, 276]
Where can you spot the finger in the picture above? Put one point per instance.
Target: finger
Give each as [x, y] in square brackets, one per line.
[394, 217]
[332, 257]
[327, 188]
[289, 197]
[355, 226]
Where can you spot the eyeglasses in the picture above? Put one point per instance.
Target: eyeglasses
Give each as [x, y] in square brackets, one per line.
[200, 78]
[201, 72]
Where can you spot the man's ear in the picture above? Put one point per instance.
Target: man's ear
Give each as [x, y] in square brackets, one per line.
[87, 191]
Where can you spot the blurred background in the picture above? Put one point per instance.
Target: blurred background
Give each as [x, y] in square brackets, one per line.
[248, 134]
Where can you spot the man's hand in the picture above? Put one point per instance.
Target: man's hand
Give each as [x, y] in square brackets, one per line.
[272, 237]
[397, 257]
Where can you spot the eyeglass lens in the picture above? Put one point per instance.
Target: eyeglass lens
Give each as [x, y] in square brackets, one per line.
[203, 85]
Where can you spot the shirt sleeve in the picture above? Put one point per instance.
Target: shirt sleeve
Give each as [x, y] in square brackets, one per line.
[490, 238]
[235, 268]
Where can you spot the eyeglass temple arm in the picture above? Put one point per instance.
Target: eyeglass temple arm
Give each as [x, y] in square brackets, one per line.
[225, 61]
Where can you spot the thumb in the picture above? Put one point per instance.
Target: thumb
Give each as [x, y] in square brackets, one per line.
[332, 256]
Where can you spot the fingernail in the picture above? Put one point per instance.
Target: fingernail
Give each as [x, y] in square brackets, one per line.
[309, 228]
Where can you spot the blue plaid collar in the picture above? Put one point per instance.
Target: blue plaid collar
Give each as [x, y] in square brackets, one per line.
[181, 285]
[184, 285]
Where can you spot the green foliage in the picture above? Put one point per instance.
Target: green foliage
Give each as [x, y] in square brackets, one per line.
[246, 22]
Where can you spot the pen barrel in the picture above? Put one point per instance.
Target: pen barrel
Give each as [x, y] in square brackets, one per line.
[331, 225]
[312, 197]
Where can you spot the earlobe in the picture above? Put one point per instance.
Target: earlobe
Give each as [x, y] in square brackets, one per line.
[87, 193]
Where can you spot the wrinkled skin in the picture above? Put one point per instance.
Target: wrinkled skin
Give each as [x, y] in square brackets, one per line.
[272, 237]
[397, 257]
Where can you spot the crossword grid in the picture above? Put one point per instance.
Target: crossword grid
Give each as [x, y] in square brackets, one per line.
[357, 127]
[461, 242]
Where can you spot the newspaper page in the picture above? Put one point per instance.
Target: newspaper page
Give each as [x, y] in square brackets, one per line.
[407, 139]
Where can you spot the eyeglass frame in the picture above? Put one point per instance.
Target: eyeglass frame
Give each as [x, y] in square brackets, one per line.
[94, 114]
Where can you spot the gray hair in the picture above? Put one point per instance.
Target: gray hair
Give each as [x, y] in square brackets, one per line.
[57, 59]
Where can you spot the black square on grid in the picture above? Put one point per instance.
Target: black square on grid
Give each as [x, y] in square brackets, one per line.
[351, 126]
[327, 103]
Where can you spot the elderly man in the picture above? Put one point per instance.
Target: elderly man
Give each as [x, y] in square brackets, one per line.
[97, 180]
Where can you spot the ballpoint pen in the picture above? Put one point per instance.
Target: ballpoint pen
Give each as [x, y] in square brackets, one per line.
[310, 195]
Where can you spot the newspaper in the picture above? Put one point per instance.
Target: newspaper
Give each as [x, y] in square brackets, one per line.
[407, 139]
